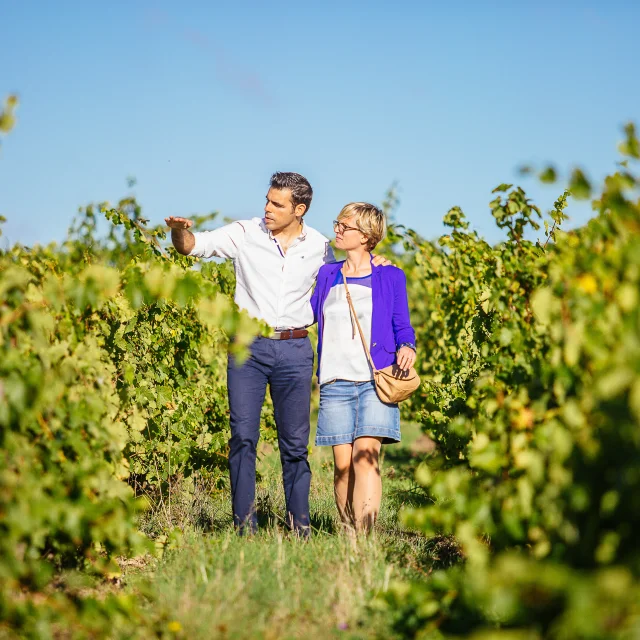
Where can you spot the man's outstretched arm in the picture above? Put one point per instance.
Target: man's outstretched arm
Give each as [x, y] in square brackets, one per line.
[224, 242]
[183, 240]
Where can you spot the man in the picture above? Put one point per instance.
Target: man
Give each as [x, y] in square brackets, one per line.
[276, 260]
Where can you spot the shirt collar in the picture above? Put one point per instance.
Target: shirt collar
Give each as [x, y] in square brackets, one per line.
[302, 236]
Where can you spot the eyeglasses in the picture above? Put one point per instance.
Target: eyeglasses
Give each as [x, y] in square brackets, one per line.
[341, 227]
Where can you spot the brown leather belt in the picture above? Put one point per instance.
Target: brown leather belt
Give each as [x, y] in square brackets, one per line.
[288, 334]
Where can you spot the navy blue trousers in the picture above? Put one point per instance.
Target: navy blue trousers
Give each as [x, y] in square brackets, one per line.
[287, 366]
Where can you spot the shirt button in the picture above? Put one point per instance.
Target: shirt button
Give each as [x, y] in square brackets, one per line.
[375, 343]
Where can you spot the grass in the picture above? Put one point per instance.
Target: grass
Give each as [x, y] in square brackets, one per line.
[272, 585]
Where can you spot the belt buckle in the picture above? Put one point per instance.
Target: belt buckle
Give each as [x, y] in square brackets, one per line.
[285, 334]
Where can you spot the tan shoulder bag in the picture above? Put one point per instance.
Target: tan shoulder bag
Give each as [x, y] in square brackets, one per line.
[393, 384]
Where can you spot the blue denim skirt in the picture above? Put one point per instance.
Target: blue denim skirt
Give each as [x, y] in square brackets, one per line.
[349, 410]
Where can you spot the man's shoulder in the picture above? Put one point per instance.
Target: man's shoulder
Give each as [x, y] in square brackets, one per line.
[255, 225]
[315, 235]
[252, 227]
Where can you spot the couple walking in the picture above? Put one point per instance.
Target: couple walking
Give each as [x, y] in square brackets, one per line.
[278, 260]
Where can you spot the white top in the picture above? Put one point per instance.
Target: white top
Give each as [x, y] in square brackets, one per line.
[343, 356]
[271, 285]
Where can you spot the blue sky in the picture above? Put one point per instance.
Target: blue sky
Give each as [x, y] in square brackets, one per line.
[202, 101]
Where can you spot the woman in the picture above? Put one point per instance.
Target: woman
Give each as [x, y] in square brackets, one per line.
[352, 419]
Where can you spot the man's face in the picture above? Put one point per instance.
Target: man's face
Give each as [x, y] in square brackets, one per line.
[279, 211]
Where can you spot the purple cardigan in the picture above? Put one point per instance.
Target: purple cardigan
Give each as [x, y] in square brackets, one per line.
[390, 324]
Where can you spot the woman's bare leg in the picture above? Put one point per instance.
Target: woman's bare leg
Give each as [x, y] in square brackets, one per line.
[343, 482]
[367, 488]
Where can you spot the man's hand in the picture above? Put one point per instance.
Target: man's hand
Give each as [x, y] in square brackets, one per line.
[405, 358]
[381, 261]
[183, 240]
[175, 222]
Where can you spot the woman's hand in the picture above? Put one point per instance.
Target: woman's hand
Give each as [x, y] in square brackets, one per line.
[405, 358]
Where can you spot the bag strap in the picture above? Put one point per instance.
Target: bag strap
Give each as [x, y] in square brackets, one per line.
[354, 316]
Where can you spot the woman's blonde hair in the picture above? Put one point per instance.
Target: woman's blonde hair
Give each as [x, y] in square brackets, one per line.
[370, 221]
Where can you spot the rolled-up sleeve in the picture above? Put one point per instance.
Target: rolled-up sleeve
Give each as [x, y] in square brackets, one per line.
[224, 242]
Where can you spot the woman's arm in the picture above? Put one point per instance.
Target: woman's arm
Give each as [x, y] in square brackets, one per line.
[403, 332]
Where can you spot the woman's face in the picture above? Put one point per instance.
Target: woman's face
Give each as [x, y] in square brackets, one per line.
[348, 236]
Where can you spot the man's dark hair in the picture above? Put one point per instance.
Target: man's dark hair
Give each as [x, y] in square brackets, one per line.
[301, 191]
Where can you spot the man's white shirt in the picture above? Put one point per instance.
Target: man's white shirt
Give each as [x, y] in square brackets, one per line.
[271, 285]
